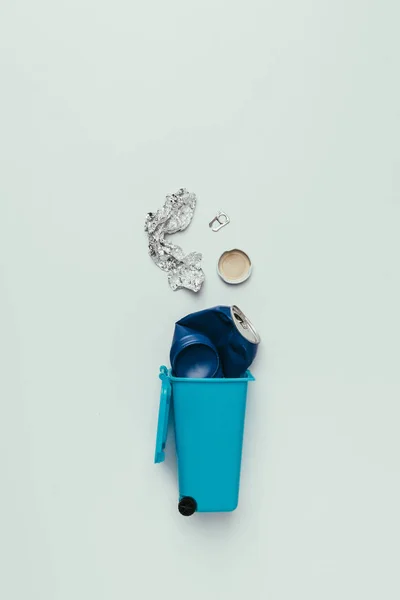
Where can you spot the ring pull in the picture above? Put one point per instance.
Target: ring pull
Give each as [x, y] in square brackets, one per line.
[220, 220]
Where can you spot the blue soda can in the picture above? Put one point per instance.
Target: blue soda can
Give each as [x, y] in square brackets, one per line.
[216, 342]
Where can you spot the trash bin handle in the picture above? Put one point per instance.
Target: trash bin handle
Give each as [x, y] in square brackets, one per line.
[163, 415]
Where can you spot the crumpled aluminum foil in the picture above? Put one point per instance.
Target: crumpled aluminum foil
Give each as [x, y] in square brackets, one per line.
[176, 214]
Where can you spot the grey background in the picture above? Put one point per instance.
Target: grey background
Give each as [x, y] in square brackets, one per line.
[286, 115]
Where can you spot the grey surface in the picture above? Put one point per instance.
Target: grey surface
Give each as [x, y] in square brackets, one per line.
[286, 115]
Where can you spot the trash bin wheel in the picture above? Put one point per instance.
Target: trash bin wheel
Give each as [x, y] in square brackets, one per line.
[187, 506]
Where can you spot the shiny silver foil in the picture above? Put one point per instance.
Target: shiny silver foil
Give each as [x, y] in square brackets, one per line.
[184, 271]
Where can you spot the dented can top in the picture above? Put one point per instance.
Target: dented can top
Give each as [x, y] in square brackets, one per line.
[244, 325]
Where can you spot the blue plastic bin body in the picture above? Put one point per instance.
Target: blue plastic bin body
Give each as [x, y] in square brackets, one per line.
[209, 416]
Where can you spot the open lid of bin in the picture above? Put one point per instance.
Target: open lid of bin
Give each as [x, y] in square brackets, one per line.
[163, 415]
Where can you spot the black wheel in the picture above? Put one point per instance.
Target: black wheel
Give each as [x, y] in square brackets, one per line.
[187, 506]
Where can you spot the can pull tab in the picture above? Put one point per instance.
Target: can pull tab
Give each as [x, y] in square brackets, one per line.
[240, 318]
[219, 221]
[242, 322]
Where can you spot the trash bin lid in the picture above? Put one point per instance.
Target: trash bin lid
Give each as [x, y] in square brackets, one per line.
[163, 415]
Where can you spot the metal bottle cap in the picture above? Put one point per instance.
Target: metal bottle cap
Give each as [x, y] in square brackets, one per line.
[234, 266]
[244, 325]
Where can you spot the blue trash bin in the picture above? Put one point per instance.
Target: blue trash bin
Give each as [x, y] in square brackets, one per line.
[209, 417]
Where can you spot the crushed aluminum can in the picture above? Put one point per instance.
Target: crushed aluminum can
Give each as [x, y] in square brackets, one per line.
[231, 337]
[184, 271]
